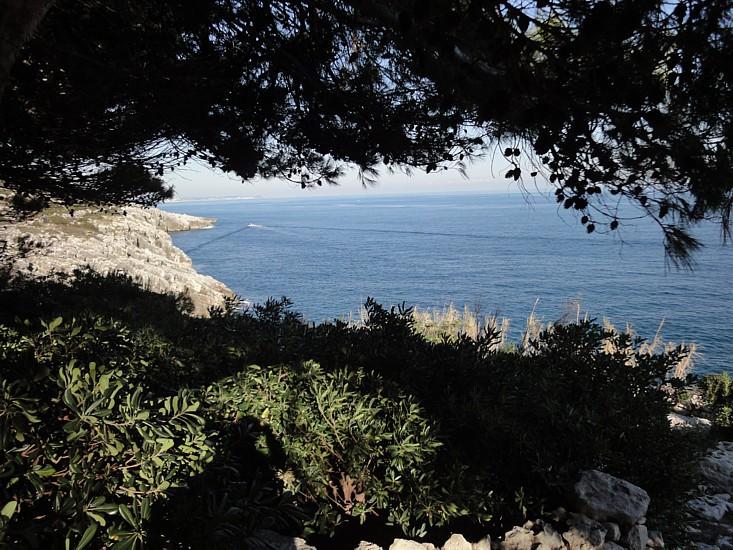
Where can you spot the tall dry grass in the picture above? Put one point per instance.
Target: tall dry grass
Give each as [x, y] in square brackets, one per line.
[450, 322]
[657, 345]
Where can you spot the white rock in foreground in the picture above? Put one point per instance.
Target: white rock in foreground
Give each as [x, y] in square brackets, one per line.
[637, 537]
[717, 467]
[518, 538]
[710, 507]
[682, 422]
[457, 542]
[548, 539]
[584, 533]
[404, 544]
[604, 497]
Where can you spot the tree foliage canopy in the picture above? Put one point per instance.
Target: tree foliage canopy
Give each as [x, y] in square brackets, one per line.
[608, 100]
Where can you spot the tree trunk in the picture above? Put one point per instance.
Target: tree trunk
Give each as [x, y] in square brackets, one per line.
[18, 20]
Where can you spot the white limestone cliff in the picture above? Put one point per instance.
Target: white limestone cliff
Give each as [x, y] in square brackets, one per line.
[131, 240]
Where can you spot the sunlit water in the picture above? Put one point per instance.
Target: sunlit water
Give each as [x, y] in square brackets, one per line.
[494, 252]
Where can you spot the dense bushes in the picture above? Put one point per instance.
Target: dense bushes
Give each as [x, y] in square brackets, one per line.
[350, 445]
[85, 445]
[121, 424]
[90, 445]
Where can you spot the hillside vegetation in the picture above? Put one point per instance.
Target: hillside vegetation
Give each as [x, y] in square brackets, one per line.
[124, 420]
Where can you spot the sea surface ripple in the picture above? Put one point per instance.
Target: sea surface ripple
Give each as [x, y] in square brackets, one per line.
[496, 253]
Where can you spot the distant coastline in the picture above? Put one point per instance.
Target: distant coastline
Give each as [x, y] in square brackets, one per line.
[369, 194]
[211, 199]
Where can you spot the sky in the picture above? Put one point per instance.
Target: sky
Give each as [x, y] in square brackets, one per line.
[198, 181]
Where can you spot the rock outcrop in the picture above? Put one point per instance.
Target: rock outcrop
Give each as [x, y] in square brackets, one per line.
[683, 422]
[623, 528]
[710, 526]
[717, 467]
[130, 240]
[604, 497]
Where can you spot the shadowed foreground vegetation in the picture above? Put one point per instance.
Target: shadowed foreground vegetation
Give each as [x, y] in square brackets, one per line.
[124, 420]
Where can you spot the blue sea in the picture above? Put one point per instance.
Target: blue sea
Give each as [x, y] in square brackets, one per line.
[494, 252]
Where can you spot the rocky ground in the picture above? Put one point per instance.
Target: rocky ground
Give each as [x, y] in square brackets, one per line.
[131, 240]
[710, 506]
[609, 514]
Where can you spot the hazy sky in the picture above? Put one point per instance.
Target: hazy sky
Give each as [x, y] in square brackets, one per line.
[198, 181]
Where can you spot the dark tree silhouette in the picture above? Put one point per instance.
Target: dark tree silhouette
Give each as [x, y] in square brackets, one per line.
[608, 100]
[18, 20]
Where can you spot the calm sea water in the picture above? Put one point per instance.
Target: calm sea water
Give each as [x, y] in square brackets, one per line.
[494, 252]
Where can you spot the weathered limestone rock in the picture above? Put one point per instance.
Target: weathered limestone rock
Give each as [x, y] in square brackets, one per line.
[636, 537]
[610, 545]
[276, 541]
[457, 542]
[682, 422]
[717, 467]
[548, 539]
[604, 497]
[130, 240]
[710, 507]
[584, 533]
[518, 538]
[613, 531]
[577, 540]
[483, 544]
[711, 519]
[404, 544]
[364, 545]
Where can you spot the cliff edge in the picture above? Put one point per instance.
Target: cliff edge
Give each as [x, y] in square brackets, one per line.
[131, 240]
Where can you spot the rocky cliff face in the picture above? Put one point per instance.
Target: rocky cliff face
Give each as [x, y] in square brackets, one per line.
[131, 240]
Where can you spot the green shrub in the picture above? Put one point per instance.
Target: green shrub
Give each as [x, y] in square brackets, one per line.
[718, 394]
[84, 444]
[351, 446]
[89, 449]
